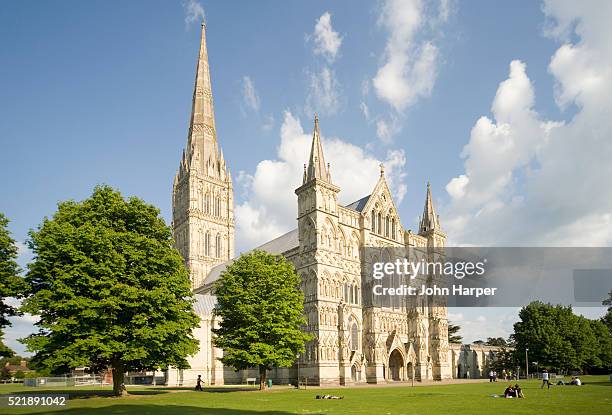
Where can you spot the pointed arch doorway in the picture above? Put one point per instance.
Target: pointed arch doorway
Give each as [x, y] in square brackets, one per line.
[396, 366]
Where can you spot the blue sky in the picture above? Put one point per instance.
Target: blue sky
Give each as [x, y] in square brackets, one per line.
[100, 92]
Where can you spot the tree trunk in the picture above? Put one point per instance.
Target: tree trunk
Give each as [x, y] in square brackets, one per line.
[262, 377]
[119, 379]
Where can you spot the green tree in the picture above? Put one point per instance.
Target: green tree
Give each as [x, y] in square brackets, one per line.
[453, 336]
[496, 341]
[505, 359]
[559, 339]
[11, 284]
[607, 320]
[110, 289]
[261, 310]
[604, 347]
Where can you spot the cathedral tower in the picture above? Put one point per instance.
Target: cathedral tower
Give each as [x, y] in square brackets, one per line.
[202, 193]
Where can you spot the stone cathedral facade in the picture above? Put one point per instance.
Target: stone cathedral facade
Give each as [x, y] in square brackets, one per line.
[354, 341]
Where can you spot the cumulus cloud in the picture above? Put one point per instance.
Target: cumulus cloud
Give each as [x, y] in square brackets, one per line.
[249, 94]
[324, 90]
[324, 94]
[529, 180]
[327, 41]
[270, 207]
[410, 67]
[194, 12]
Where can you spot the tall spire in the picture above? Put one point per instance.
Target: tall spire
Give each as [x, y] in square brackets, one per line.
[316, 163]
[429, 220]
[202, 133]
[202, 112]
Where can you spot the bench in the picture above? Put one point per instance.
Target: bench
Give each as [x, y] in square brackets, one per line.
[251, 380]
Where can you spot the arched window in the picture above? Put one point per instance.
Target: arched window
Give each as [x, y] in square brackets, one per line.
[354, 344]
[393, 232]
[387, 226]
[218, 246]
[379, 224]
[373, 221]
[207, 244]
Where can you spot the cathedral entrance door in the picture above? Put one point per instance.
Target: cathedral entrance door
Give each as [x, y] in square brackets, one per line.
[354, 373]
[396, 365]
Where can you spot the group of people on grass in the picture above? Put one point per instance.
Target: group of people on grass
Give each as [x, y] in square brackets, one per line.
[514, 391]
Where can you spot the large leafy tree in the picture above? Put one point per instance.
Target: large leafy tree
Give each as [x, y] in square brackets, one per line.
[261, 310]
[11, 284]
[559, 339]
[110, 289]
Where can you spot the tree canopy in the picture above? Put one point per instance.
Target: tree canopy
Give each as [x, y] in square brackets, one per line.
[110, 289]
[261, 310]
[11, 284]
[558, 339]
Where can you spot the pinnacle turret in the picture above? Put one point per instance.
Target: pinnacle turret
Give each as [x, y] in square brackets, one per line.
[429, 220]
[317, 168]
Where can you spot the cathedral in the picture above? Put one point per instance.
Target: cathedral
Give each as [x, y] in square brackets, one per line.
[353, 340]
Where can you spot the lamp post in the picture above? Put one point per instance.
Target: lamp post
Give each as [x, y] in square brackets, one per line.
[527, 363]
[298, 371]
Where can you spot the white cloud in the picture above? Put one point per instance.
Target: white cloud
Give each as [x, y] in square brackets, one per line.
[324, 94]
[271, 205]
[249, 94]
[327, 42]
[194, 12]
[387, 129]
[410, 67]
[365, 110]
[533, 181]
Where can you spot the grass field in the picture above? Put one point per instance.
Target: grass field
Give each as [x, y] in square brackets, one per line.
[595, 397]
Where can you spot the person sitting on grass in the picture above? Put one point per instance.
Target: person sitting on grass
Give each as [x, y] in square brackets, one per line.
[509, 392]
[576, 381]
[518, 392]
[329, 397]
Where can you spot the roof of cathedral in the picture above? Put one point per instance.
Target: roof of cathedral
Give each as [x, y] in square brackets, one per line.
[276, 246]
[359, 204]
[204, 304]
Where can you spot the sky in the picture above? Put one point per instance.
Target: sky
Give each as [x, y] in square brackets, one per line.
[503, 106]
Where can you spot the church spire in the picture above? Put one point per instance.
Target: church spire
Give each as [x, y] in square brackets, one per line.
[430, 220]
[202, 144]
[316, 163]
[202, 112]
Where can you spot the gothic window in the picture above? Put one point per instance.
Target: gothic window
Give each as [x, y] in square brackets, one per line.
[354, 330]
[393, 232]
[218, 246]
[373, 221]
[387, 226]
[207, 244]
[379, 223]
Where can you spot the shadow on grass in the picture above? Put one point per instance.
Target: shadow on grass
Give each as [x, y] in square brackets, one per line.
[164, 410]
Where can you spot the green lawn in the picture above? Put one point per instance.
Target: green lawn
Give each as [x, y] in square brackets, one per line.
[595, 397]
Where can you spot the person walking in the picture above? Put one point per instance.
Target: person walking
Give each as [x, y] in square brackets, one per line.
[545, 379]
[199, 384]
